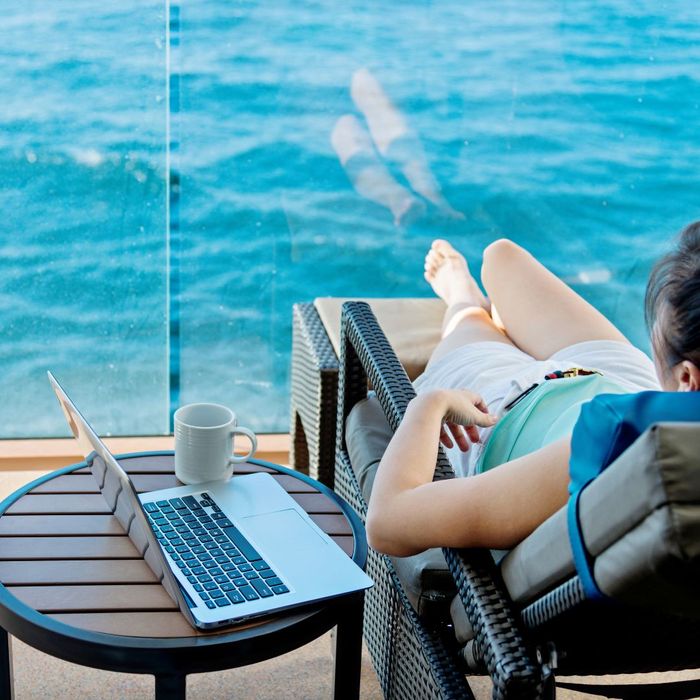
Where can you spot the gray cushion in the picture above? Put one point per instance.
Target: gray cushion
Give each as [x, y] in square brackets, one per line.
[640, 520]
[367, 434]
[425, 577]
[460, 621]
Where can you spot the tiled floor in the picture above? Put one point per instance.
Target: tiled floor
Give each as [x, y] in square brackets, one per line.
[304, 674]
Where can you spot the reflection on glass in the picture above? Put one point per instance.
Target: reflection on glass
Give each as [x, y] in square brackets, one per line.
[387, 137]
[82, 236]
[325, 145]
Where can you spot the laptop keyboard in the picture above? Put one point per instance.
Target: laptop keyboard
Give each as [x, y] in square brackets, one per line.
[222, 566]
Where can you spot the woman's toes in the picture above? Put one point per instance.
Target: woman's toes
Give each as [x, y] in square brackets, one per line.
[439, 253]
[431, 261]
[436, 258]
[446, 249]
[440, 245]
[447, 272]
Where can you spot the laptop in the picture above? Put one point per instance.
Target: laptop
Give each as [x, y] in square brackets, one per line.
[225, 551]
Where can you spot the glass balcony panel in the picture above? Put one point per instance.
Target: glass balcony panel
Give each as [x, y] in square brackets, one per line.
[83, 230]
[324, 145]
[316, 149]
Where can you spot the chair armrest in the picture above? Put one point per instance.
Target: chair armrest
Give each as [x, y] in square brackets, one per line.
[366, 354]
[313, 396]
[500, 641]
[406, 654]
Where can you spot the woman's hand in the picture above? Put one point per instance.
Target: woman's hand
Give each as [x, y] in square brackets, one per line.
[408, 512]
[463, 412]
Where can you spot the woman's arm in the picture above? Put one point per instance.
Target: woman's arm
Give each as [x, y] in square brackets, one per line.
[409, 513]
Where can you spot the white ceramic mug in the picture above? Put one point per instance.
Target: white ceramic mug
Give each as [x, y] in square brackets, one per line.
[204, 435]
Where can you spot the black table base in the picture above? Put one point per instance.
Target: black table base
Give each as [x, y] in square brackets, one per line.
[6, 685]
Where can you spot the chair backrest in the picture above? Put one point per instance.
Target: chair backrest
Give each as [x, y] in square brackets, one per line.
[413, 327]
[640, 521]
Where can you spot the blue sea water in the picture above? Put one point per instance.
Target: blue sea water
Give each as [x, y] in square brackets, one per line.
[571, 127]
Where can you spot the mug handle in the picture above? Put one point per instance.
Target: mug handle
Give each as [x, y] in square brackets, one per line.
[235, 459]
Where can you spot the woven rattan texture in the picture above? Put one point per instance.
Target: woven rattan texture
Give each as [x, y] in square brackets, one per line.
[410, 660]
[314, 396]
[554, 603]
[510, 663]
[611, 637]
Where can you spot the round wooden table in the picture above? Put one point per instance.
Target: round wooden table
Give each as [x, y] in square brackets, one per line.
[74, 586]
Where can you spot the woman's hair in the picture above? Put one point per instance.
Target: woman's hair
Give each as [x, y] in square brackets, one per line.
[672, 304]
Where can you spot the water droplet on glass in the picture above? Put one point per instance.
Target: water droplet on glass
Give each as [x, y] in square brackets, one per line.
[90, 157]
[594, 276]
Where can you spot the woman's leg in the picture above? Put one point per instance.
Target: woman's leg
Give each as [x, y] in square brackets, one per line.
[369, 176]
[389, 129]
[539, 312]
[467, 318]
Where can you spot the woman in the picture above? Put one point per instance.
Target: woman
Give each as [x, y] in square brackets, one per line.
[531, 328]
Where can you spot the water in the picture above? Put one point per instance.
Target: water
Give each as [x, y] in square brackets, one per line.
[569, 127]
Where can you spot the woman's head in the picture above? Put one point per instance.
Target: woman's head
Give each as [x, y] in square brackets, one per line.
[672, 310]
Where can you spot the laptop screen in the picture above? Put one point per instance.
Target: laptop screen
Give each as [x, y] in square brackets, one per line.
[118, 492]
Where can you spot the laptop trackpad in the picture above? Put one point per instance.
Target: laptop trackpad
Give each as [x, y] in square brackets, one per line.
[286, 528]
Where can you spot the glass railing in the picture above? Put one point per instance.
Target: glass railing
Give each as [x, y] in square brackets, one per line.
[314, 149]
[83, 228]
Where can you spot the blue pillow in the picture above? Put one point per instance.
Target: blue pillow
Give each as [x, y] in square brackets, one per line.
[607, 426]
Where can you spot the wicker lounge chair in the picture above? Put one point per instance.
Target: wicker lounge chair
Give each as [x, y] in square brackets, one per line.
[528, 618]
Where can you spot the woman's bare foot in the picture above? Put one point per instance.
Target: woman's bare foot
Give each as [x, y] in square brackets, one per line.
[448, 274]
